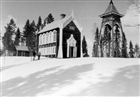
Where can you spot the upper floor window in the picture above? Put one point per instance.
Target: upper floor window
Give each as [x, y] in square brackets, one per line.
[40, 39]
[54, 35]
[50, 36]
[46, 38]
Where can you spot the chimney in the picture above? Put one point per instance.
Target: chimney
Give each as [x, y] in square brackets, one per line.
[62, 16]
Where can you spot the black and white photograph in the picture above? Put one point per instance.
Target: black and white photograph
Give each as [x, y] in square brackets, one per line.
[69, 48]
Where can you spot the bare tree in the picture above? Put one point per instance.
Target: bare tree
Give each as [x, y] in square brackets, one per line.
[135, 2]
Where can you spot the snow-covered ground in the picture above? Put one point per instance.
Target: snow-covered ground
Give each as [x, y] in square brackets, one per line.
[69, 77]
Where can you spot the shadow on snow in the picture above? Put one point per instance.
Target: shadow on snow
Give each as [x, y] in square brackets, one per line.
[124, 83]
[35, 84]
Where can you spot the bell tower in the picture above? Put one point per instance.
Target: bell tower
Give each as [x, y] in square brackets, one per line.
[110, 32]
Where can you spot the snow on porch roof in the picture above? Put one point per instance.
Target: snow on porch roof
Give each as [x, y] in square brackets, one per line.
[21, 48]
[57, 24]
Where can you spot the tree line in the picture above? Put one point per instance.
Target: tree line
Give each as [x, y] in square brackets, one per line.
[120, 48]
[13, 36]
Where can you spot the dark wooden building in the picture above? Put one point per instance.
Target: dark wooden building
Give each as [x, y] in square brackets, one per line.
[61, 39]
[21, 51]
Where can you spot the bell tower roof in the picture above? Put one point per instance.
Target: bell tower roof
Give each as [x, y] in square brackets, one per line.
[111, 9]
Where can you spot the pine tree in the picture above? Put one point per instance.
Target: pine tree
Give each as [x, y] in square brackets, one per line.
[131, 50]
[96, 43]
[26, 30]
[31, 36]
[50, 18]
[106, 39]
[7, 39]
[94, 50]
[101, 46]
[39, 24]
[124, 46]
[84, 45]
[137, 50]
[117, 43]
[18, 37]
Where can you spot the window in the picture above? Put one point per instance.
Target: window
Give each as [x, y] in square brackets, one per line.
[51, 50]
[54, 35]
[50, 36]
[54, 49]
[42, 39]
[46, 38]
[41, 51]
[48, 50]
[44, 50]
[39, 39]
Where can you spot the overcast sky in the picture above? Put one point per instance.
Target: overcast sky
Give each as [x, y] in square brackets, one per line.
[86, 12]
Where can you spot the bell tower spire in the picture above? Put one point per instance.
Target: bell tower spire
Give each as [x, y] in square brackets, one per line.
[111, 1]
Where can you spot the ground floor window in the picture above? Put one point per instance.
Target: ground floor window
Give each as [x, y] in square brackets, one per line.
[48, 50]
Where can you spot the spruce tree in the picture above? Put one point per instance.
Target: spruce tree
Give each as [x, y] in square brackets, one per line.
[18, 37]
[124, 46]
[101, 46]
[39, 24]
[8, 41]
[31, 37]
[84, 45]
[33, 27]
[137, 50]
[26, 29]
[96, 43]
[117, 43]
[131, 50]
[50, 18]
[106, 39]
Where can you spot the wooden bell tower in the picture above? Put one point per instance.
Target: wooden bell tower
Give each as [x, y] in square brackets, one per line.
[110, 22]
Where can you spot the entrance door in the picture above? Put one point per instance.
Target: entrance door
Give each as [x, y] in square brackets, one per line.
[71, 47]
[70, 51]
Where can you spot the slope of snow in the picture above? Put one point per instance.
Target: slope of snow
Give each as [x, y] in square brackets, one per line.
[69, 77]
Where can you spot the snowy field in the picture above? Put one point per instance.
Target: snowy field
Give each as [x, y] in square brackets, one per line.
[69, 77]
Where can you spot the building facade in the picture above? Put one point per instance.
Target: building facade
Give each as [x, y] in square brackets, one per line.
[61, 39]
[21, 51]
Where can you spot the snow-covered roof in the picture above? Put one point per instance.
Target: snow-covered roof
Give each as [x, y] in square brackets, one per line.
[58, 23]
[22, 48]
